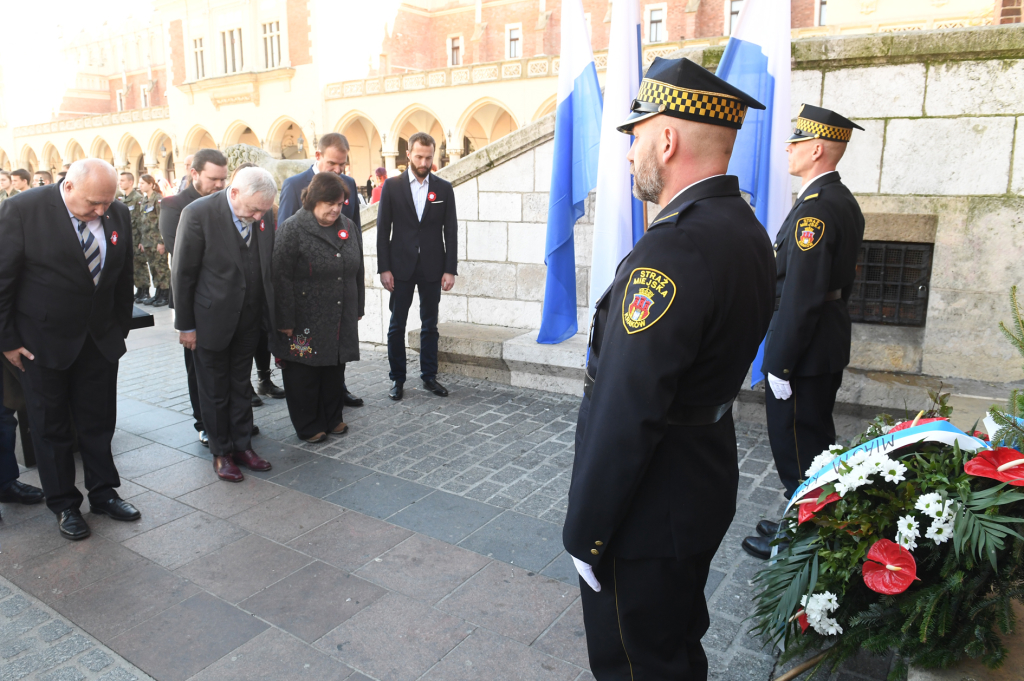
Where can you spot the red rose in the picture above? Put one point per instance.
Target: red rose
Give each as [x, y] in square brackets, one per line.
[889, 568]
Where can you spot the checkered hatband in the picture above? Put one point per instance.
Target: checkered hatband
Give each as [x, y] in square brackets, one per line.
[694, 104]
[828, 132]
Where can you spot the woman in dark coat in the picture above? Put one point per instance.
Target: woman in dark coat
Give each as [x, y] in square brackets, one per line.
[319, 295]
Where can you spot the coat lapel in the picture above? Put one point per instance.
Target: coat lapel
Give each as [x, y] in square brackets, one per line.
[230, 232]
[407, 191]
[66, 235]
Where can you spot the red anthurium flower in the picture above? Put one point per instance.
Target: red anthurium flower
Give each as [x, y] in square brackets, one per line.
[802, 619]
[889, 568]
[1003, 464]
[809, 504]
[980, 435]
[907, 424]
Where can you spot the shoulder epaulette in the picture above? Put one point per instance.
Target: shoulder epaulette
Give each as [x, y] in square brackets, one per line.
[812, 196]
[663, 219]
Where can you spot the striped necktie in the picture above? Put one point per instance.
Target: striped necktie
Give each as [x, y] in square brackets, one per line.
[246, 232]
[91, 249]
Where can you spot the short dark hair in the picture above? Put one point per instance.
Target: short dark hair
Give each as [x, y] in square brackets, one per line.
[46, 174]
[66, 166]
[325, 187]
[204, 156]
[422, 138]
[62, 174]
[332, 140]
[22, 174]
[129, 175]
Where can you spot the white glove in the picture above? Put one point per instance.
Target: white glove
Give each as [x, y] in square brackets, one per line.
[780, 388]
[587, 573]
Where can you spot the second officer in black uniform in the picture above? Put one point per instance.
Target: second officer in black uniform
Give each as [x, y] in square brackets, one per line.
[808, 343]
[655, 474]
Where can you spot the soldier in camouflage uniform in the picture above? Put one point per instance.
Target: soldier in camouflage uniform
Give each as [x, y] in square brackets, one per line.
[153, 242]
[132, 198]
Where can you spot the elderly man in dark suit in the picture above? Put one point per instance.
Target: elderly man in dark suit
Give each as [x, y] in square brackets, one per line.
[417, 234]
[331, 157]
[66, 275]
[208, 171]
[222, 288]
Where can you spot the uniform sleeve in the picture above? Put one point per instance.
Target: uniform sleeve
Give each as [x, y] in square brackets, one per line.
[655, 324]
[808, 271]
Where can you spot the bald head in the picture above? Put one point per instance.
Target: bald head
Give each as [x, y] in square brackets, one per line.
[669, 154]
[89, 188]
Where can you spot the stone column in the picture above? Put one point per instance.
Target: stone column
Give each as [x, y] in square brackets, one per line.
[454, 155]
[390, 159]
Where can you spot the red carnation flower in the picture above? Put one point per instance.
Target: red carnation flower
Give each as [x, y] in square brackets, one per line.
[1003, 464]
[889, 568]
[809, 504]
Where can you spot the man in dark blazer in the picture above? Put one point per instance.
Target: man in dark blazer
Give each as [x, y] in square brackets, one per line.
[417, 247]
[66, 288]
[221, 276]
[331, 157]
[208, 172]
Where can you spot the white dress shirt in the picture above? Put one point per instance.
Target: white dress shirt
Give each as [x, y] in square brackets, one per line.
[419, 192]
[94, 226]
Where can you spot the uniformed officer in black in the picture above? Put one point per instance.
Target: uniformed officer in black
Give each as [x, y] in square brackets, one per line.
[808, 343]
[655, 474]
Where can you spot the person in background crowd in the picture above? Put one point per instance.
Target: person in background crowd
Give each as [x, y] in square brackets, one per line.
[417, 235]
[68, 345]
[156, 253]
[12, 490]
[369, 188]
[319, 291]
[42, 178]
[208, 171]
[186, 179]
[264, 385]
[222, 289]
[132, 199]
[7, 190]
[332, 157]
[21, 180]
[381, 174]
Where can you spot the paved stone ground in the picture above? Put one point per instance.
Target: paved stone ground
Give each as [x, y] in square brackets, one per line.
[425, 544]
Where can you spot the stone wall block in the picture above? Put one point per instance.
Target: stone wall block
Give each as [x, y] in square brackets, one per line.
[582, 286]
[543, 157]
[876, 91]
[535, 207]
[963, 319]
[804, 88]
[492, 280]
[505, 207]
[371, 327]
[1017, 182]
[862, 162]
[487, 241]
[466, 200]
[370, 241]
[948, 156]
[527, 241]
[370, 276]
[462, 239]
[515, 175]
[584, 244]
[530, 281]
[515, 313]
[452, 308]
[970, 88]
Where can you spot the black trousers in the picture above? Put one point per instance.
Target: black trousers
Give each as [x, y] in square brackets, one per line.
[648, 619]
[801, 427]
[315, 397]
[401, 299]
[193, 390]
[225, 392]
[261, 356]
[86, 394]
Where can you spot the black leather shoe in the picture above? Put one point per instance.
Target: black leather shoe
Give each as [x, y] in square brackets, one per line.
[767, 528]
[20, 493]
[761, 547]
[116, 508]
[351, 400]
[141, 294]
[255, 429]
[204, 439]
[436, 388]
[266, 387]
[396, 391]
[72, 525]
[255, 400]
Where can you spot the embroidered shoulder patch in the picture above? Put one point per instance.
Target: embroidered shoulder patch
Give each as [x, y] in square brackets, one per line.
[809, 232]
[647, 298]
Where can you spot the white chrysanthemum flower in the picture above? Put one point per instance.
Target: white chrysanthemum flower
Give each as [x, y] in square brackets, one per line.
[939, 532]
[841, 487]
[886, 429]
[828, 627]
[858, 477]
[821, 461]
[858, 458]
[877, 463]
[947, 513]
[894, 471]
[908, 525]
[906, 541]
[930, 504]
[836, 448]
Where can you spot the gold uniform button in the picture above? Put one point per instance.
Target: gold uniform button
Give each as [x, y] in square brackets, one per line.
[593, 551]
[599, 543]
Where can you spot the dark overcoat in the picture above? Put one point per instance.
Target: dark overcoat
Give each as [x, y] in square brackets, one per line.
[320, 290]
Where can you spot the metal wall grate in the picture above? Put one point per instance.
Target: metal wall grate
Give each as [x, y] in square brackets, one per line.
[891, 286]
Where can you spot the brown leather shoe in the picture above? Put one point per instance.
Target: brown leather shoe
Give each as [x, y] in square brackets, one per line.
[319, 437]
[226, 469]
[251, 460]
[340, 428]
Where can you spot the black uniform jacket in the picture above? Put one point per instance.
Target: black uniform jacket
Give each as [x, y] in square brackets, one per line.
[48, 302]
[402, 238]
[816, 253]
[678, 327]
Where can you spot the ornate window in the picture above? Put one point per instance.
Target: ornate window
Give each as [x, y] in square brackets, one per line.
[272, 45]
[197, 50]
[231, 45]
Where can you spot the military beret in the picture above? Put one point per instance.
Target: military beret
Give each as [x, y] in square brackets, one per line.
[813, 122]
[684, 89]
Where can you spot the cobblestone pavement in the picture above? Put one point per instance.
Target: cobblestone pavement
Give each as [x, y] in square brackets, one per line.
[426, 543]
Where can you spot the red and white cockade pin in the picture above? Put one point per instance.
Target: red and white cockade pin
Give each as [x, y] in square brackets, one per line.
[346, 202]
[262, 228]
[431, 196]
[342, 234]
[113, 238]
